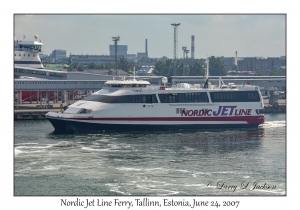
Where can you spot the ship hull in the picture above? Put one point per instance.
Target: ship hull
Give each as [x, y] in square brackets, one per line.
[124, 125]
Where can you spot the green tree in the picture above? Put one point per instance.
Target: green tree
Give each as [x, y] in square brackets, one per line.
[180, 68]
[70, 60]
[258, 72]
[109, 66]
[233, 67]
[80, 67]
[164, 68]
[125, 65]
[216, 67]
[274, 72]
[73, 66]
[196, 69]
[92, 65]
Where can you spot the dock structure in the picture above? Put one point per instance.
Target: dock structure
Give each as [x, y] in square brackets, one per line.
[27, 111]
[279, 106]
[65, 86]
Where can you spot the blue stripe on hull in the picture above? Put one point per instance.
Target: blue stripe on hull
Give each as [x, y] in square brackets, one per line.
[62, 126]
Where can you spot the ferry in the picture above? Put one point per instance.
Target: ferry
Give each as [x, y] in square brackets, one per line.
[26, 53]
[132, 105]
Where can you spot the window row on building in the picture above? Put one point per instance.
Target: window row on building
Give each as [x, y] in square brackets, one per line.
[58, 83]
[33, 55]
[30, 71]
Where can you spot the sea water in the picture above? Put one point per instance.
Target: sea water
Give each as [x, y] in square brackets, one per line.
[201, 162]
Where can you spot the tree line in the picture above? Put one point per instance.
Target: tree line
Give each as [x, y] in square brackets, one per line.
[169, 67]
[122, 63]
[190, 67]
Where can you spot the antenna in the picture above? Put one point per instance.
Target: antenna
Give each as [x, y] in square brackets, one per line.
[134, 73]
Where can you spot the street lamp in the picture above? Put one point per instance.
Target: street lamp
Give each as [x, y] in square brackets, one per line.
[116, 39]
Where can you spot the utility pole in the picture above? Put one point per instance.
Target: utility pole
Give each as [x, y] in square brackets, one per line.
[116, 39]
[183, 48]
[186, 58]
[183, 60]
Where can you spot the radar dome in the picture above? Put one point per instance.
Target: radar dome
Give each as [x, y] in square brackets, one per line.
[164, 80]
[36, 37]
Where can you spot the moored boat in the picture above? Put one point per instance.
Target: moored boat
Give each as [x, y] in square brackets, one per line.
[26, 53]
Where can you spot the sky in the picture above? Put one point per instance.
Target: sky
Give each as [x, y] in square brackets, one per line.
[215, 34]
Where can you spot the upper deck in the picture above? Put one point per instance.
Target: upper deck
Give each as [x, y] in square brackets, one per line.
[34, 46]
[145, 85]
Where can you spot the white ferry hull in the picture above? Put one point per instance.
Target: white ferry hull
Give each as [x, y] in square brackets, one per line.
[106, 125]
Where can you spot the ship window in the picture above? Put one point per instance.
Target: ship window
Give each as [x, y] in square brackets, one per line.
[28, 55]
[123, 99]
[154, 99]
[184, 97]
[85, 111]
[237, 96]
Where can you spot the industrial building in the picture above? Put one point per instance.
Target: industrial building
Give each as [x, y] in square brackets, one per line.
[253, 63]
[85, 60]
[57, 55]
[121, 50]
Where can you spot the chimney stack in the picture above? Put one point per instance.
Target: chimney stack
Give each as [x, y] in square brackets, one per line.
[146, 50]
[193, 47]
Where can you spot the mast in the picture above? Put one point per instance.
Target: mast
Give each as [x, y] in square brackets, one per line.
[207, 73]
[207, 68]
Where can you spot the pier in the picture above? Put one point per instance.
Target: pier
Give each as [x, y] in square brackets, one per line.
[276, 107]
[27, 111]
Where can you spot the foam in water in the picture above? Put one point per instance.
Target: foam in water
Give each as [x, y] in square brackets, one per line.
[92, 149]
[273, 124]
[18, 151]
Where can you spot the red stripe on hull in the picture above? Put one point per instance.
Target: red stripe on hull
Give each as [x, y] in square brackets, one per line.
[248, 119]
